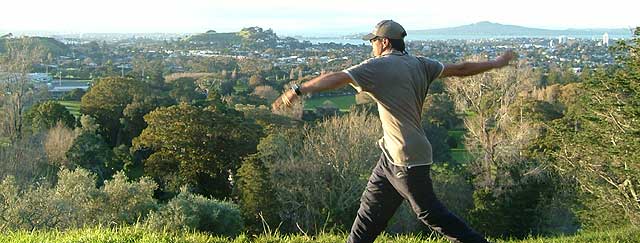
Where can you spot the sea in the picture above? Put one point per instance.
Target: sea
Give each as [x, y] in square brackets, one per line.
[425, 37]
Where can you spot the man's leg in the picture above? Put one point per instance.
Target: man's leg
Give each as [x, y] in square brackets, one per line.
[377, 205]
[415, 185]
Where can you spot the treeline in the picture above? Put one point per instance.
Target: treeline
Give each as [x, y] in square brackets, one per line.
[184, 153]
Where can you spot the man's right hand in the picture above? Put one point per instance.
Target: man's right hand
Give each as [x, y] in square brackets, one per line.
[505, 58]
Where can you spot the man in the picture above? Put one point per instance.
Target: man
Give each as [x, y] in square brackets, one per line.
[398, 82]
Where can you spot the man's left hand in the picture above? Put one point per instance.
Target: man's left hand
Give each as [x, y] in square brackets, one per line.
[284, 101]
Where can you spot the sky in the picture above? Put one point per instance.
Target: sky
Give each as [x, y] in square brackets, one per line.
[301, 17]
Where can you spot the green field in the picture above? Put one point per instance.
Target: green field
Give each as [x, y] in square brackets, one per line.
[459, 154]
[4, 141]
[342, 102]
[72, 106]
[140, 234]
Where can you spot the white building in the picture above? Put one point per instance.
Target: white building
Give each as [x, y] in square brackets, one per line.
[605, 39]
[562, 39]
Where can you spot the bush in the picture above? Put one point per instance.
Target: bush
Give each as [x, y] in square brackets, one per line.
[452, 188]
[57, 142]
[319, 175]
[533, 205]
[127, 202]
[188, 211]
[74, 202]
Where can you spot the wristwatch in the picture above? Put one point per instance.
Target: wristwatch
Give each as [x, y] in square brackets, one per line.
[296, 89]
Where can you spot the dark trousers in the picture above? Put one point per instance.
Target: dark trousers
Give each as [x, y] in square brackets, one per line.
[388, 186]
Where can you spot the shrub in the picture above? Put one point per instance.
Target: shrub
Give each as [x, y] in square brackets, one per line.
[74, 202]
[57, 142]
[524, 208]
[319, 179]
[188, 211]
[256, 194]
[127, 202]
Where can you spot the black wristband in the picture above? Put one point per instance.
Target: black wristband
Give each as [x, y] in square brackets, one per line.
[296, 89]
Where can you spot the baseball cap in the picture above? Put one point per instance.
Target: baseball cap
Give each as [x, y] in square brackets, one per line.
[386, 28]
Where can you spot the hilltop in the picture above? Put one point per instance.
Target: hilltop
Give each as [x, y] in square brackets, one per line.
[49, 45]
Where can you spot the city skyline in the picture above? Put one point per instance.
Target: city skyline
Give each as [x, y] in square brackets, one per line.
[290, 17]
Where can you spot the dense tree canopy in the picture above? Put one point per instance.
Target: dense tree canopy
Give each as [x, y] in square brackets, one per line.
[119, 104]
[196, 146]
[46, 115]
[598, 144]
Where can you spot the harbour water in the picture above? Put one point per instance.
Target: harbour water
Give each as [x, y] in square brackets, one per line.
[425, 37]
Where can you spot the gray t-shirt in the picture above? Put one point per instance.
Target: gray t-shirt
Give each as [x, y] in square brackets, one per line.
[399, 83]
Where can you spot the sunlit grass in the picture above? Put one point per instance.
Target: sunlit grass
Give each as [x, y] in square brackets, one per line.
[72, 106]
[143, 235]
[342, 102]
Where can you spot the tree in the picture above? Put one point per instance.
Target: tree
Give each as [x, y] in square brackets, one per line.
[319, 172]
[265, 92]
[438, 137]
[493, 137]
[57, 142]
[201, 147]
[256, 194]
[439, 110]
[18, 93]
[597, 145]
[119, 104]
[46, 115]
[185, 90]
[255, 80]
[74, 95]
[91, 152]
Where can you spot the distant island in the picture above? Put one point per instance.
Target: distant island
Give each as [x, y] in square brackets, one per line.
[489, 29]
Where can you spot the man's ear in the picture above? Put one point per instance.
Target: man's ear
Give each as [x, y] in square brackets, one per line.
[386, 42]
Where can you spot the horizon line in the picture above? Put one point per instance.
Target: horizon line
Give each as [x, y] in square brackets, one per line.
[293, 32]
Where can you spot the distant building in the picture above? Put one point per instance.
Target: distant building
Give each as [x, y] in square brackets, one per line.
[40, 77]
[605, 39]
[562, 39]
[576, 70]
[551, 44]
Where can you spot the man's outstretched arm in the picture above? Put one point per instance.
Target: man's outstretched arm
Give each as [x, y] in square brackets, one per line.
[473, 68]
[325, 82]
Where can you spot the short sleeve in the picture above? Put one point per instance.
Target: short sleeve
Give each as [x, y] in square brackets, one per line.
[434, 68]
[363, 75]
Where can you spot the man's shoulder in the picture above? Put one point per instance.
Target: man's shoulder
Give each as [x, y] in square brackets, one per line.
[372, 64]
[428, 60]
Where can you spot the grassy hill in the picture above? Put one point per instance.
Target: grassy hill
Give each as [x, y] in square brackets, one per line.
[140, 234]
[49, 45]
[214, 38]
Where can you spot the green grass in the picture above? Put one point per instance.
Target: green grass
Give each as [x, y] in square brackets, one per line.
[72, 106]
[4, 141]
[460, 155]
[142, 235]
[342, 102]
[457, 134]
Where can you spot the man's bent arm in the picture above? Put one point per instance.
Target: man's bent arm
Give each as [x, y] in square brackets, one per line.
[473, 68]
[325, 82]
